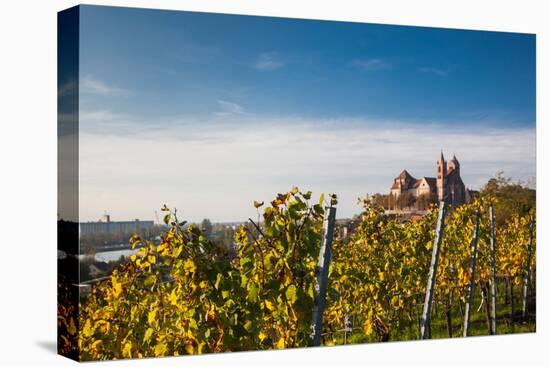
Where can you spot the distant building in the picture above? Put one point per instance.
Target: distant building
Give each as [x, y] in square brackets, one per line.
[105, 225]
[447, 186]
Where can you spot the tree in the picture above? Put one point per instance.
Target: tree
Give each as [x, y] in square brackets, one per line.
[392, 201]
[424, 201]
[510, 197]
[381, 200]
[206, 227]
[405, 200]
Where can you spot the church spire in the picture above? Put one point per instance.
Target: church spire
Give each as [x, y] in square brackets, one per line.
[455, 162]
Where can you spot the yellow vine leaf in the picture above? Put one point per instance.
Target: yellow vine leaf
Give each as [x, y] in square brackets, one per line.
[367, 327]
[127, 350]
[117, 287]
[189, 349]
[189, 266]
[269, 305]
[173, 298]
[152, 317]
[72, 327]
[395, 301]
[177, 251]
[96, 344]
[87, 330]
[160, 349]
[104, 326]
[148, 335]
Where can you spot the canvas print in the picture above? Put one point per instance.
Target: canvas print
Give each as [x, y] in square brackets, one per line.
[242, 183]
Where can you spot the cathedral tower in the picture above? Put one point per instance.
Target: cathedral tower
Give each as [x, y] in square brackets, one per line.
[454, 165]
[441, 181]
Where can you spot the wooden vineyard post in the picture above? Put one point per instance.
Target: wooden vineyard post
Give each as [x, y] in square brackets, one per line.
[527, 273]
[325, 253]
[448, 314]
[347, 327]
[471, 284]
[493, 273]
[425, 322]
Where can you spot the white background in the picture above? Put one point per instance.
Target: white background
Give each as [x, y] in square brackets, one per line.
[28, 181]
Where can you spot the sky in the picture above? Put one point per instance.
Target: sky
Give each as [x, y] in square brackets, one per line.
[208, 112]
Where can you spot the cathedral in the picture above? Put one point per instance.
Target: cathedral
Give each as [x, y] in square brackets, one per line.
[447, 186]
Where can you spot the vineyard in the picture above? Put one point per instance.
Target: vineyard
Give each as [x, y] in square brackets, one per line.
[298, 280]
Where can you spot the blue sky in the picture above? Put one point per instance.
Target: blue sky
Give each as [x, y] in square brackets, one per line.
[244, 107]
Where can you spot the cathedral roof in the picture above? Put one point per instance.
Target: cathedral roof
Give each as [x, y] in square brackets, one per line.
[407, 180]
[405, 174]
[431, 181]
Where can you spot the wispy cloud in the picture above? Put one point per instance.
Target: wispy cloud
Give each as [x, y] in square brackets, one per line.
[100, 116]
[268, 61]
[435, 71]
[255, 157]
[196, 53]
[229, 108]
[371, 64]
[92, 85]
